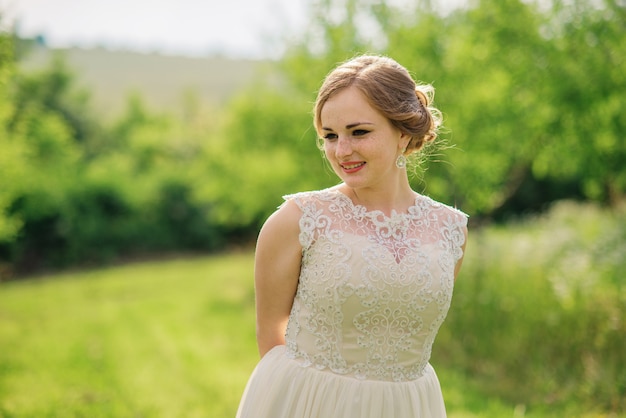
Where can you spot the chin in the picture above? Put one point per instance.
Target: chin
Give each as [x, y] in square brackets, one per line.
[353, 183]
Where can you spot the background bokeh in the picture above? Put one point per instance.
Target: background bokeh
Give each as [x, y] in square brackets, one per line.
[111, 153]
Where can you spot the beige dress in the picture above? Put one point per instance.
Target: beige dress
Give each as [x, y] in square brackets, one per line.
[372, 294]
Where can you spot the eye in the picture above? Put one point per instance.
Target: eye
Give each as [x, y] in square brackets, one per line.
[360, 132]
[330, 137]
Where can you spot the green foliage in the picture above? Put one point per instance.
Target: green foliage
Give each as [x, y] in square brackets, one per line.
[12, 154]
[10, 171]
[532, 106]
[532, 95]
[52, 91]
[589, 63]
[538, 312]
[531, 103]
[75, 191]
[264, 151]
[42, 162]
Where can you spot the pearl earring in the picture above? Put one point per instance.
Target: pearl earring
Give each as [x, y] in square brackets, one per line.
[401, 160]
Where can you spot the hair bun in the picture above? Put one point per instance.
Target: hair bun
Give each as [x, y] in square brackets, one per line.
[421, 96]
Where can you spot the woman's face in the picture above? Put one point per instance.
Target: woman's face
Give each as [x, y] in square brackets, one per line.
[359, 142]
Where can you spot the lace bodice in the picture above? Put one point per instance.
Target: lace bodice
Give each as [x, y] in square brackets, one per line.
[373, 289]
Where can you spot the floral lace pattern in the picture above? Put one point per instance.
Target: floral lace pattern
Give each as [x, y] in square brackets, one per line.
[373, 289]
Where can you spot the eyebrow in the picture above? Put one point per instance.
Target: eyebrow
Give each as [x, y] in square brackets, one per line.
[350, 126]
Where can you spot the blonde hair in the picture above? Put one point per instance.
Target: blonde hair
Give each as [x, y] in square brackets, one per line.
[391, 90]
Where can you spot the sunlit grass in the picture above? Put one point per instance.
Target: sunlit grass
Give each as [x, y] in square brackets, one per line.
[164, 339]
[175, 338]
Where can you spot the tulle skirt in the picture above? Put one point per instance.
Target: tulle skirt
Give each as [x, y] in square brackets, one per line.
[280, 387]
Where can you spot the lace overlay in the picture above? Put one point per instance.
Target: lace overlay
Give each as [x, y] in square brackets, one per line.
[373, 289]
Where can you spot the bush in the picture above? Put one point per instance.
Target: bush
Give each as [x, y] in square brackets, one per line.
[538, 315]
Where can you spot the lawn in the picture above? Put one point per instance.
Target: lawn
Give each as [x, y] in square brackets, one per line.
[160, 339]
[168, 338]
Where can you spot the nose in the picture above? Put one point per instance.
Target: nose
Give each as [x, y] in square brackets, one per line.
[343, 147]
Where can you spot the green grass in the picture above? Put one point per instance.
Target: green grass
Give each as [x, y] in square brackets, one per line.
[175, 338]
[160, 339]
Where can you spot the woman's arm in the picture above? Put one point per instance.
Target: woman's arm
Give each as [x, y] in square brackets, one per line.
[276, 271]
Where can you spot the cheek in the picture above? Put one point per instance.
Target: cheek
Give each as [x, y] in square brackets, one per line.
[328, 150]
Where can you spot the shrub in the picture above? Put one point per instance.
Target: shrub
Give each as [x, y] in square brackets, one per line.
[538, 312]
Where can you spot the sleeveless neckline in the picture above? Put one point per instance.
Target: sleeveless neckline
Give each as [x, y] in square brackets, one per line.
[377, 213]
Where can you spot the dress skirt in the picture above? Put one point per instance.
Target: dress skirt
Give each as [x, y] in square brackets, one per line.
[280, 387]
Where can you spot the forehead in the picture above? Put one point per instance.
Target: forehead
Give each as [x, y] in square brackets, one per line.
[348, 106]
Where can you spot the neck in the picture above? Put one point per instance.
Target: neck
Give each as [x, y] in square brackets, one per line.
[398, 198]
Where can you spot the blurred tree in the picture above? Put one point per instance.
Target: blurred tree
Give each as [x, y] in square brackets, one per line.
[54, 91]
[265, 148]
[588, 74]
[494, 95]
[530, 104]
[44, 160]
[11, 153]
[141, 135]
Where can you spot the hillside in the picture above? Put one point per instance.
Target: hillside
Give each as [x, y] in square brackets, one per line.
[163, 81]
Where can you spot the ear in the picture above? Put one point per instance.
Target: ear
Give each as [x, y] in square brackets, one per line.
[404, 141]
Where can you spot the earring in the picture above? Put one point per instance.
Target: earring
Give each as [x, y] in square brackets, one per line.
[401, 161]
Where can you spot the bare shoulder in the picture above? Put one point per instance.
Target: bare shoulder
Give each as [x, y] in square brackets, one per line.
[278, 245]
[283, 224]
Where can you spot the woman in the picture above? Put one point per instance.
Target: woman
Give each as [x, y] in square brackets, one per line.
[353, 282]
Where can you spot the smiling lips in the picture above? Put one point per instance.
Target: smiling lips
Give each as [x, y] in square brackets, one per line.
[351, 167]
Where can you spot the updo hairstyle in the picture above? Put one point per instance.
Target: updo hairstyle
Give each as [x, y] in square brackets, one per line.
[391, 90]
